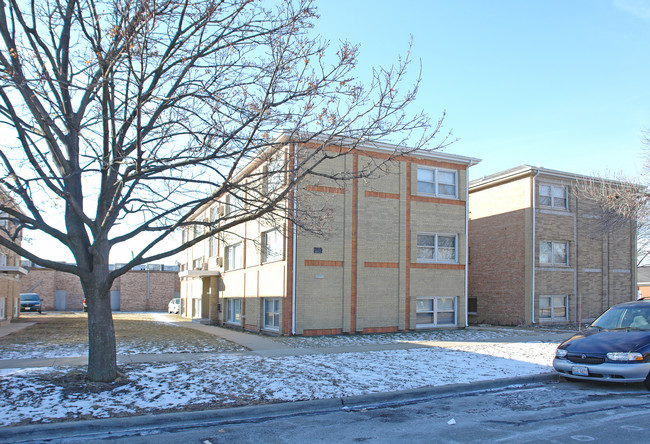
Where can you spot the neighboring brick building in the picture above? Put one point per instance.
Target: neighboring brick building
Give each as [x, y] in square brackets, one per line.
[393, 258]
[537, 254]
[643, 281]
[149, 288]
[10, 269]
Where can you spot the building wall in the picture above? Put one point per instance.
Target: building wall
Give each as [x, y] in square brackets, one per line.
[9, 277]
[163, 286]
[600, 269]
[498, 222]
[362, 275]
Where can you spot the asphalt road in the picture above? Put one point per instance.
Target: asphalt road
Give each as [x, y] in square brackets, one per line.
[547, 413]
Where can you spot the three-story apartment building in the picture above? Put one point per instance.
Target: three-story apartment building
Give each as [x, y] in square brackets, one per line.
[538, 251]
[392, 256]
[10, 269]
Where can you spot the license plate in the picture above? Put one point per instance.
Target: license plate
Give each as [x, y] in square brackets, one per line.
[579, 371]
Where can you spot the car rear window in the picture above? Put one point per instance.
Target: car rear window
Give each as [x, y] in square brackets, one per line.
[29, 297]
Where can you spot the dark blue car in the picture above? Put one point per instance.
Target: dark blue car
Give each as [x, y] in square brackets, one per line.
[613, 348]
[30, 302]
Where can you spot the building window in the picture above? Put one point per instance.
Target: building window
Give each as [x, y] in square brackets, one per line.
[235, 202]
[235, 256]
[554, 196]
[437, 248]
[4, 219]
[472, 306]
[3, 260]
[233, 311]
[554, 253]
[3, 305]
[435, 312]
[197, 264]
[437, 182]
[554, 308]
[274, 174]
[272, 246]
[272, 314]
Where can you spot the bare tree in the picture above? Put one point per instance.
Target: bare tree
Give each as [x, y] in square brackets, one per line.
[620, 202]
[123, 117]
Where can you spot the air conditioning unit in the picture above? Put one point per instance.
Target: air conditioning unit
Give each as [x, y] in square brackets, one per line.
[220, 261]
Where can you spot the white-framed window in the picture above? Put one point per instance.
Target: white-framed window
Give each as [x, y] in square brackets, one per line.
[438, 182]
[274, 174]
[554, 308]
[4, 219]
[233, 311]
[433, 247]
[234, 202]
[197, 264]
[272, 314]
[554, 196]
[235, 256]
[554, 253]
[272, 246]
[435, 312]
[3, 259]
[3, 308]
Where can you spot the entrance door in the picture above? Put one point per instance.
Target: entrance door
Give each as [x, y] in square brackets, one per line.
[61, 300]
[115, 300]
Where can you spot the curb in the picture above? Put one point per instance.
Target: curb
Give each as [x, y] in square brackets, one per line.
[153, 424]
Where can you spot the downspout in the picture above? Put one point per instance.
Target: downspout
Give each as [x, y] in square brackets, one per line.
[533, 201]
[295, 247]
[466, 243]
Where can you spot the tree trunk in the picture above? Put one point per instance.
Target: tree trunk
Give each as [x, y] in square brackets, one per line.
[102, 360]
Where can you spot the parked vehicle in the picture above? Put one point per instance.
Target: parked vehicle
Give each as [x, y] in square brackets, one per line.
[85, 306]
[613, 348]
[174, 306]
[30, 302]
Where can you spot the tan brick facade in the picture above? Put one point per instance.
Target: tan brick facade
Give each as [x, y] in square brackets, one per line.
[537, 254]
[137, 290]
[10, 270]
[364, 275]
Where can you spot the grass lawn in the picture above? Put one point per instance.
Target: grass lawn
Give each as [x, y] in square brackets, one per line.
[66, 334]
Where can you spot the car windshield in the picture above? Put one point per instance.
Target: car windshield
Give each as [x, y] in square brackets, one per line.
[634, 317]
[29, 297]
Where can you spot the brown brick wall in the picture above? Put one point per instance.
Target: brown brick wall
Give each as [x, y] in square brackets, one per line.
[132, 287]
[497, 268]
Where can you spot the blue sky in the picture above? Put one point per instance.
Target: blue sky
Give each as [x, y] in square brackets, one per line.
[557, 84]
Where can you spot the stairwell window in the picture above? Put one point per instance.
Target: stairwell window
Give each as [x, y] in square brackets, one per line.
[272, 314]
[554, 196]
[438, 182]
[234, 256]
[435, 312]
[435, 248]
[272, 246]
[554, 253]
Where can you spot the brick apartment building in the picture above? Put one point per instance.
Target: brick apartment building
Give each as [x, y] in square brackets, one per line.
[537, 254]
[393, 259]
[149, 288]
[10, 270]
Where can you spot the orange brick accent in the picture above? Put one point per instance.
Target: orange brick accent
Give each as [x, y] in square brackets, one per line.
[438, 200]
[381, 264]
[380, 329]
[288, 300]
[322, 331]
[353, 272]
[309, 263]
[382, 195]
[439, 266]
[321, 189]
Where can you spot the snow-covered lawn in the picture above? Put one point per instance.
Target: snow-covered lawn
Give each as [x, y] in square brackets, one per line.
[52, 394]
